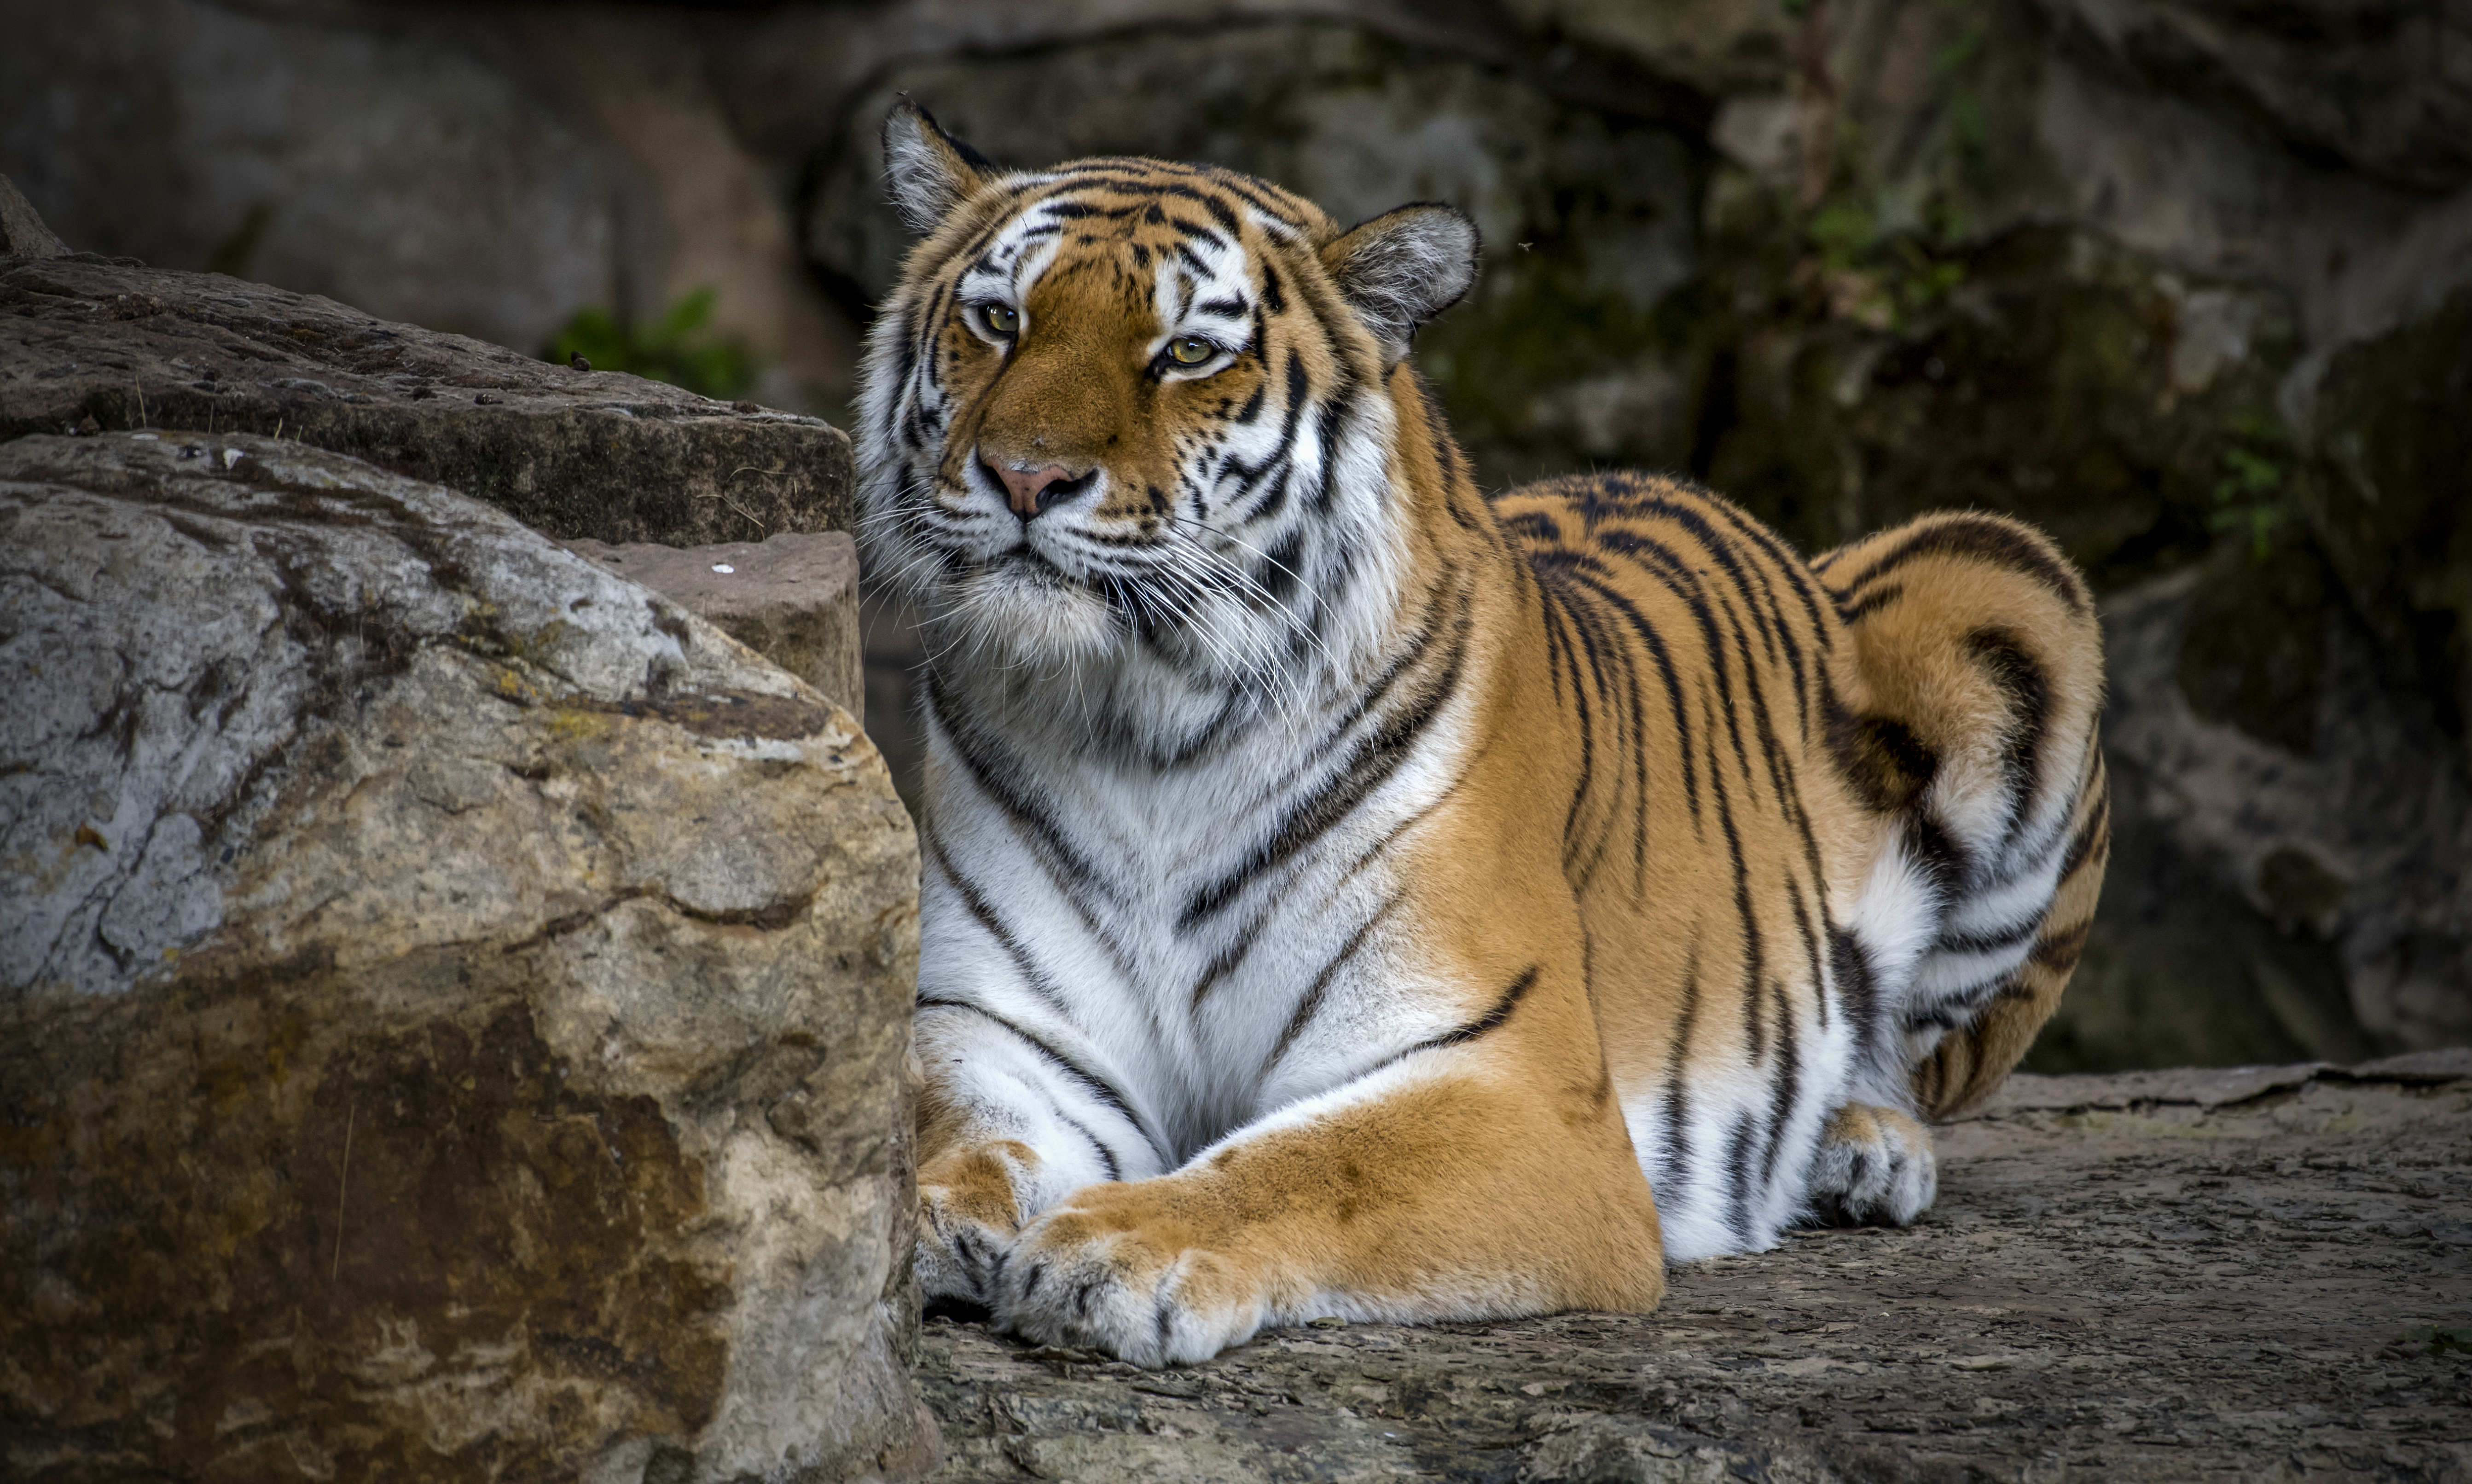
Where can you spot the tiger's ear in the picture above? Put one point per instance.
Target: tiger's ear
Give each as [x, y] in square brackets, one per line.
[928, 169]
[1402, 268]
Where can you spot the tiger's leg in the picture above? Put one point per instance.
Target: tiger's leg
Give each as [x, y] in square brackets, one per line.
[1979, 684]
[1456, 1182]
[1007, 1126]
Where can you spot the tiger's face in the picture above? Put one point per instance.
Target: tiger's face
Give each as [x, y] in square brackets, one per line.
[1125, 405]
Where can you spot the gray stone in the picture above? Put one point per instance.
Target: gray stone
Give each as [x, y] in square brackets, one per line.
[2158, 1278]
[453, 1001]
[2381, 87]
[1717, 46]
[22, 232]
[2358, 839]
[792, 598]
[101, 345]
[387, 164]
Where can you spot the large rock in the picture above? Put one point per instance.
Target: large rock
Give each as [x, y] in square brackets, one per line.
[2376, 85]
[96, 344]
[790, 598]
[455, 1001]
[2313, 883]
[391, 166]
[23, 232]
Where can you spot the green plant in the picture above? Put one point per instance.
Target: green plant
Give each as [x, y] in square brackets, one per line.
[2249, 496]
[676, 348]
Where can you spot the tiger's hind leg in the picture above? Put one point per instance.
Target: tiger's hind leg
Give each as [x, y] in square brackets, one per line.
[1971, 734]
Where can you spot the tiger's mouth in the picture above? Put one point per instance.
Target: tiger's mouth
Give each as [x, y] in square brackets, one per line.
[1029, 567]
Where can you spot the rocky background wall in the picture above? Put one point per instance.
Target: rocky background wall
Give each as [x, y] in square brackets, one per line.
[2188, 282]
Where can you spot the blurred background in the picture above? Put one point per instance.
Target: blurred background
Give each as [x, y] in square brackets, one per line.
[2186, 282]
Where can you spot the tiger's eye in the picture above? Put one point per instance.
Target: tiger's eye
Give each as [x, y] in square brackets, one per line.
[1000, 319]
[1190, 350]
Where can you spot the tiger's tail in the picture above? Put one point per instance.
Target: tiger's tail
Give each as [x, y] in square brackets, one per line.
[1974, 729]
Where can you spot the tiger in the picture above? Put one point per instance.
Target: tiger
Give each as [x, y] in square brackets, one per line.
[1347, 894]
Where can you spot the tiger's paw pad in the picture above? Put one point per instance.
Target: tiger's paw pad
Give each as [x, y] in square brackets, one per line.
[1097, 1278]
[1873, 1167]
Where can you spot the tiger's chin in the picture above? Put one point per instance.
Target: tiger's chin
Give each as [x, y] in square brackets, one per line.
[1021, 610]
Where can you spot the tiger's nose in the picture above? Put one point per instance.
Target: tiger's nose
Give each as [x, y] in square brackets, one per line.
[1034, 490]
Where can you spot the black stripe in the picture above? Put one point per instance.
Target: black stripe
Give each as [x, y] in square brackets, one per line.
[2059, 952]
[1629, 739]
[1677, 1108]
[1996, 542]
[2089, 830]
[1945, 861]
[1654, 643]
[1337, 410]
[1986, 942]
[1878, 756]
[1531, 526]
[1856, 986]
[1309, 1006]
[1788, 560]
[2021, 677]
[1651, 554]
[994, 776]
[1752, 956]
[1490, 1021]
[1738, 1167]
[1809, 947]
[1789, 1083]
[1873, 601]
[1591, 645]
[1197, 231]
[1369, 766]
[1090, 1082]
[983, 912]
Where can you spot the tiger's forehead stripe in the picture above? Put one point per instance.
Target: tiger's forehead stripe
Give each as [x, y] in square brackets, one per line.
[1123, 189]
[1198, 261]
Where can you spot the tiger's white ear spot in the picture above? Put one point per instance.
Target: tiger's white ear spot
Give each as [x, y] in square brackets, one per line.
[927, 170]
[1402, 268]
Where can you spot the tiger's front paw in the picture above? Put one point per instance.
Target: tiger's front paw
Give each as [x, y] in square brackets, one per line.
[1109, 1269]
[1873, 1167]
[969, 1216]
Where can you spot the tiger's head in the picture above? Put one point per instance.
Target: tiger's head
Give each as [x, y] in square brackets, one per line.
[1137, 414]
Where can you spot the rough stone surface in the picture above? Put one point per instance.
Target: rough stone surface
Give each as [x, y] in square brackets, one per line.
[792, 598]
[94, 344]
[453, 1001]
[2265, 1275]
[2346, 921]
[22, 232]
[2378, 86]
